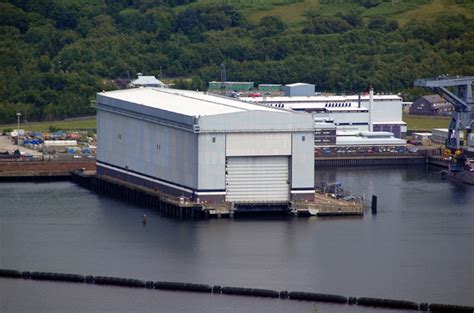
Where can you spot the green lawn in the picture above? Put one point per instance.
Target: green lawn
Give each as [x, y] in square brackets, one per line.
[85, 124]
[426, 122]
[291, 11]
[413, 123]
[434, 9]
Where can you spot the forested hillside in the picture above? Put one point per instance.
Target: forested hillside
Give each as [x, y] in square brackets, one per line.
[56, 54]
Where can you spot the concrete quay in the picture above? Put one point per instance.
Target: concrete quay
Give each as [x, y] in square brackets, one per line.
[24, 170]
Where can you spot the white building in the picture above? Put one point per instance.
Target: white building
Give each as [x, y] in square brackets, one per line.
[205, 147]
[368, 139]
[299, 90]
[347, 113]
[146, 81]
[440, 135]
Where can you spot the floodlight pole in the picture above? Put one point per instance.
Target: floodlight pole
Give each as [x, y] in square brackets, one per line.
[18, 131]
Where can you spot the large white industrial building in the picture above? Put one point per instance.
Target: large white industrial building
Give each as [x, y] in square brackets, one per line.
[338, 116]
[204, 147]
[347, 112]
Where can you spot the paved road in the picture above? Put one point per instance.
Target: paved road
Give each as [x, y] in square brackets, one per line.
[6, 145]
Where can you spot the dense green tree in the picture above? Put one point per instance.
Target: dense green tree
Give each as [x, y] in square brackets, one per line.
[326, 25]
[270, 26]
[55, 54]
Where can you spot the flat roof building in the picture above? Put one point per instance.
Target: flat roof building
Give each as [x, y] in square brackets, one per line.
[347, 112]
[146, 81]
[298, 90]
[205, 147]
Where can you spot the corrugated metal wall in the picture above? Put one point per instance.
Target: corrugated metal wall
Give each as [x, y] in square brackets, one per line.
[299, 91]
[257, 179]
[164, 152]
[258, 121]
[211, 156]
[386, 111]
[302, 160]
[254, 144]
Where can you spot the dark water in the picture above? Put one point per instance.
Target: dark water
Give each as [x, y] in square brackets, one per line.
[419, 247]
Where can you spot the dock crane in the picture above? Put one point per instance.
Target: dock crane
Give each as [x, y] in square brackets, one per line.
[460, 98]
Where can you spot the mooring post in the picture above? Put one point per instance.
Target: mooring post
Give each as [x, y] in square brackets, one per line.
[374, 204]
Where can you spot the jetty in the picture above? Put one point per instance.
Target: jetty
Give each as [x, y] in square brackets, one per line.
[184, 208]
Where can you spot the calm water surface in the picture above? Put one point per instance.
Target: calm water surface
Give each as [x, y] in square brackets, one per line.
[419, 247]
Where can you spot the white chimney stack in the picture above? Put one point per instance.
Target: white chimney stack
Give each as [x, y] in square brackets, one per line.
[371, 103]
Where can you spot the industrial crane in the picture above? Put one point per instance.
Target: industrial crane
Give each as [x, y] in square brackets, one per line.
[460, 96]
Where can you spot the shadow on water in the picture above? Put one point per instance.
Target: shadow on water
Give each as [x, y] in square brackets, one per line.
[263, 216]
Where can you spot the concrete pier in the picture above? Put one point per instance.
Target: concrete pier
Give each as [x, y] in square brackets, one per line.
[324, 206]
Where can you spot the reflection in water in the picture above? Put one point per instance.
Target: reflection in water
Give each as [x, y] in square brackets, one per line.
[419, 247]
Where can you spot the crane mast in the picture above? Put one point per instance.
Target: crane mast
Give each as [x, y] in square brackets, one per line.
[457, 91]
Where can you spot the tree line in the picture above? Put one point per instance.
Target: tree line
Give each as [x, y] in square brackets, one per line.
[55, 55]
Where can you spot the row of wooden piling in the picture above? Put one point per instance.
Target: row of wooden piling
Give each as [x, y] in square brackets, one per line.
[239, 291]
[140, 197]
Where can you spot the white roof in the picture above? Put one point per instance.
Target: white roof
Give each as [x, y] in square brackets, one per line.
[357, 140]
[298, 84]
[422, 134]
[376, 134]
[348, 108]
[185, 102]
[390, 123]
[348, 131]
[320, 99]
[146, 80]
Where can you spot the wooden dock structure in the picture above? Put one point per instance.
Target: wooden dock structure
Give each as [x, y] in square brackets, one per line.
[179, 208]
[182, 208]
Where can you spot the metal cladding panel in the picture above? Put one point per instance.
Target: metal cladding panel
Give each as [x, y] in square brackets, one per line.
[211, 163]
[256, 121]
[387, 111]
[104, 148]
[303, 90]
[145, 110]
[359, 117]
[257, 179]
[302, 161]
[253, 144]
[152, 149]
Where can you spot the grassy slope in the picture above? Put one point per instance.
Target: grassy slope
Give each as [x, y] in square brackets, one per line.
[434, 9]
[291, 11]
[426, 122]
[65, 125]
